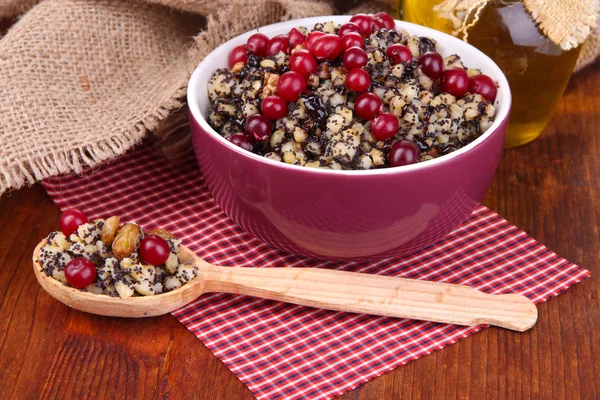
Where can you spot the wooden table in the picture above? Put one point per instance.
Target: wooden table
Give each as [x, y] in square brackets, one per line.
[549, 188]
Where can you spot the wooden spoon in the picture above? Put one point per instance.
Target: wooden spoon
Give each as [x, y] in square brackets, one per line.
[313, 287]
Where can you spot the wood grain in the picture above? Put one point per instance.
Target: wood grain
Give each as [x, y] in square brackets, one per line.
[550, 188]
[374, 294]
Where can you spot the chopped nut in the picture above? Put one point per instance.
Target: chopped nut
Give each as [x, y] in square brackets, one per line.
[59, 240]
[473, 72]
[413, 45]
[109, 230]
[289, 158]
[266, 63]
[186, 272]
[396, 105]
[313, 80]
[161, 233]
[277, 138]
[172, 283]
[300, 135]
[126, 241]
[172, 263]
[141, 272]
[398, 70]
[237, 67]
[335, 123]
[249, 109]
[273, 156]
[145, 288]
[124, 290]
[453, 61]
[365, 162]
[313, 148]
[59, 276]
[271, 79]
[377, 157]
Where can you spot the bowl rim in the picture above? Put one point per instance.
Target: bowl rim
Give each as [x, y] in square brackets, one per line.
[503, 101]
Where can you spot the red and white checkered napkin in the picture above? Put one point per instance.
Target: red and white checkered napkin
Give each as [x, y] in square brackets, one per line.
[285, 351]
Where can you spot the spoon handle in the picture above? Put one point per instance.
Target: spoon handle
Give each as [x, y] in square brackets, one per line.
[375, 294]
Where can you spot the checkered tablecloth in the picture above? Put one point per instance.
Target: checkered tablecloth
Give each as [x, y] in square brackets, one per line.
[286, 351]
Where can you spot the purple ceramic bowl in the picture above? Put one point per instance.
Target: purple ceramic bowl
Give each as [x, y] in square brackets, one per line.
[347, 215]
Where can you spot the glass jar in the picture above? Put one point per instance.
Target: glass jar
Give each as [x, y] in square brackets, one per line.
[537, 69]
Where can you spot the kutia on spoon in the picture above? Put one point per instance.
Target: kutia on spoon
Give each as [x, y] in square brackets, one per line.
[313, 287]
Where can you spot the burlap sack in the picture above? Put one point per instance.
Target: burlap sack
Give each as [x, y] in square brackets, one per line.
[101, 74]
[12, 8]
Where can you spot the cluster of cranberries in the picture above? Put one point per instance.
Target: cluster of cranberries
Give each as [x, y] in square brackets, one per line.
[81, 272]
[348, 45]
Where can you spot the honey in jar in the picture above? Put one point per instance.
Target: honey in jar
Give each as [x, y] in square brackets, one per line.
[537, 69]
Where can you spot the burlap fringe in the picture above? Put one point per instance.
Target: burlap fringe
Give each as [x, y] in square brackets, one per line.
[590, 50]
[12, 8]
[567, 23]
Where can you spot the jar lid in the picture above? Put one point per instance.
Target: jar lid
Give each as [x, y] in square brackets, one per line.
[566, 22]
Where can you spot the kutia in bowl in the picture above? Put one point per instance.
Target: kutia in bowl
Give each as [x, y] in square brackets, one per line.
[359, 96]
[402, 125]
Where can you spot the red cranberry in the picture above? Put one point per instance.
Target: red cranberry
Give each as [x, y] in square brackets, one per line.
[274, 107]
[377, 24]
[355, 57]
[455, 81]
[277, 44]
[303, 62]
[483, 85]
[384, 126]
[347, 28]
[238, 54]
[259, 127]
[386, 19]
[241, 140]
[358, 80]
[296, 38]
[364, 22]
[432, 65]
[258, 44]
[312, 38]
[70, 220]
[403, 152]
[399, 53]
[352, 39]
[290, 86]
[367, 106]
[327, 47]
[154, 250]
[80, 272]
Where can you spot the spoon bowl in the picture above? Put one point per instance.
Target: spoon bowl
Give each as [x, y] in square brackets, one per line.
[313, 287]
[134, 307]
